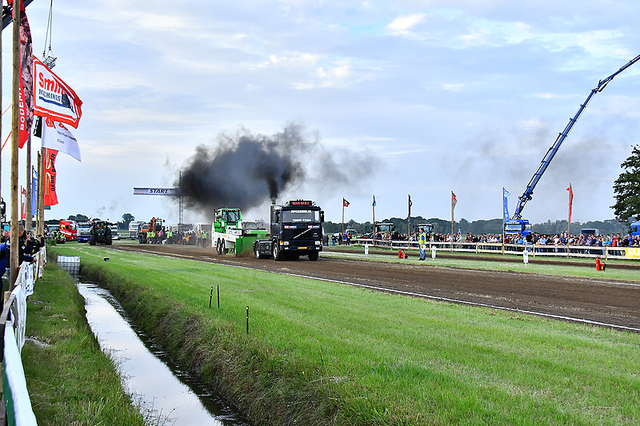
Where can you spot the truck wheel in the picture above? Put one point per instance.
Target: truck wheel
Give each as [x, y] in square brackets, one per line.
[256, 250]
[313, 255]
[218, 247]
[109, 240]
[277, 254]
[223, 250]
[92, 240]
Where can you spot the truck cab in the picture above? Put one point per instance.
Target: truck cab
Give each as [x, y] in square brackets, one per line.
[69, 228]
[226, 218]
[295, 229]
[83, 231]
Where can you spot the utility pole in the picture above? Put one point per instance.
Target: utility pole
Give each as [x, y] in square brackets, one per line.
[409, 220]
[15, 140]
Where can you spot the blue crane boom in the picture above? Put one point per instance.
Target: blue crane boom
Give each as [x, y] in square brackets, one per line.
[528, 192]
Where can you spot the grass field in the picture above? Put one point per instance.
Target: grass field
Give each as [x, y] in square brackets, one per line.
[321, 353]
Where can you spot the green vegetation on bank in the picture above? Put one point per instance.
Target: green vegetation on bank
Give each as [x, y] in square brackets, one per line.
[70, 380]
[321, 353]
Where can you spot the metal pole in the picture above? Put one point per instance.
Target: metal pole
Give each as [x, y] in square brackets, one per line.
[247, 320]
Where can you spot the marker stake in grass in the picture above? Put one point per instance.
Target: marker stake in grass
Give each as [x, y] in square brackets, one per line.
[247, 320]
[211, 297]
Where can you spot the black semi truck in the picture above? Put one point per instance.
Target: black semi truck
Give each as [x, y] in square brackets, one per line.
[295, 230]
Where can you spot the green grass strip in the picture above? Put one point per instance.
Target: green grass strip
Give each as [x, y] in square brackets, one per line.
[70, 380]
[321, 353]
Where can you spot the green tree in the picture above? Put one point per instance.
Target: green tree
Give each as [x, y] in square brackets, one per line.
[126, 219]
[78, 218]
[627, 188]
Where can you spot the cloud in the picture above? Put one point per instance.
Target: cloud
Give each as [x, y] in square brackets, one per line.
[402, 24]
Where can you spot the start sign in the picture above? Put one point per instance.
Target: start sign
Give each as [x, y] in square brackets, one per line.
[157, 191]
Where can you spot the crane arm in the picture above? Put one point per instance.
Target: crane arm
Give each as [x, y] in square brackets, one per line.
[546, 160]
[6, 13]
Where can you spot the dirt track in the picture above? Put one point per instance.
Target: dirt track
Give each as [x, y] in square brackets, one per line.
[601, 301]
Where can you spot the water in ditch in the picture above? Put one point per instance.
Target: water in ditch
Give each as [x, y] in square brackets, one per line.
[171, 396]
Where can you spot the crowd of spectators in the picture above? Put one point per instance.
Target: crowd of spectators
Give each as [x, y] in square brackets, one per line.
[537, 239]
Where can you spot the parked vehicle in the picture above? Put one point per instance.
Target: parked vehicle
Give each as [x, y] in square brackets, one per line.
[134, 226]
[69, 228]
[115, 234]
[84, 231]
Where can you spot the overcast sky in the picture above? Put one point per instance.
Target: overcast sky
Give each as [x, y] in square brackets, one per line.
[403, 97]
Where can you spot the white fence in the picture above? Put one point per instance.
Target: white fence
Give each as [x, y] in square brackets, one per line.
[15, 398]
[548, 250]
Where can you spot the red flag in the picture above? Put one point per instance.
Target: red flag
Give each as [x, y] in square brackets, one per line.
[24, 203]
[345, 203]
[570, 189]
[454, 201]
[25, 104]
[50, 196]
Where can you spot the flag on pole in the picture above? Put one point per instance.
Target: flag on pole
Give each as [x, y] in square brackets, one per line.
[34, 190]
[454, 201]
[345, 203]
[374, 201]
[50, 196]
[54, 98]
[24, 203]
[570, 189]
[25, 105]
[57, 136]
[505, 194]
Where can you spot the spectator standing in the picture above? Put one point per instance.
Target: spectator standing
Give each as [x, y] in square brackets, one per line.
[422, 240]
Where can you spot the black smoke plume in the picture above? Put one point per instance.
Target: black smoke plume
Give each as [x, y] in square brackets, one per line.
[242, 172]
[247, 170]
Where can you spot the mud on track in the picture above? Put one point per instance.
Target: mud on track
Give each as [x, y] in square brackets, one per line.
[601, 301]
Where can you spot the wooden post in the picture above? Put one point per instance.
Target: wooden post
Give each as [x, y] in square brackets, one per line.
[343, 218]
[0, 111]
[41, 191]
[409, 219]
[15, 140]
[28, 218]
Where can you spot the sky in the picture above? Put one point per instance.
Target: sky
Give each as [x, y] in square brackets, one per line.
[395, 98]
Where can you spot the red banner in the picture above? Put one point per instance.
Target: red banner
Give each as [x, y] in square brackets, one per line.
[25, 103]
[24, 203]
[50, 196]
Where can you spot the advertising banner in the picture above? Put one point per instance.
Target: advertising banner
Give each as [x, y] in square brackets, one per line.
[50, 196]
[54, 99]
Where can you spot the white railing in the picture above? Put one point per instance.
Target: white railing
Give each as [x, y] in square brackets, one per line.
[549, 250]
[13, 321]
